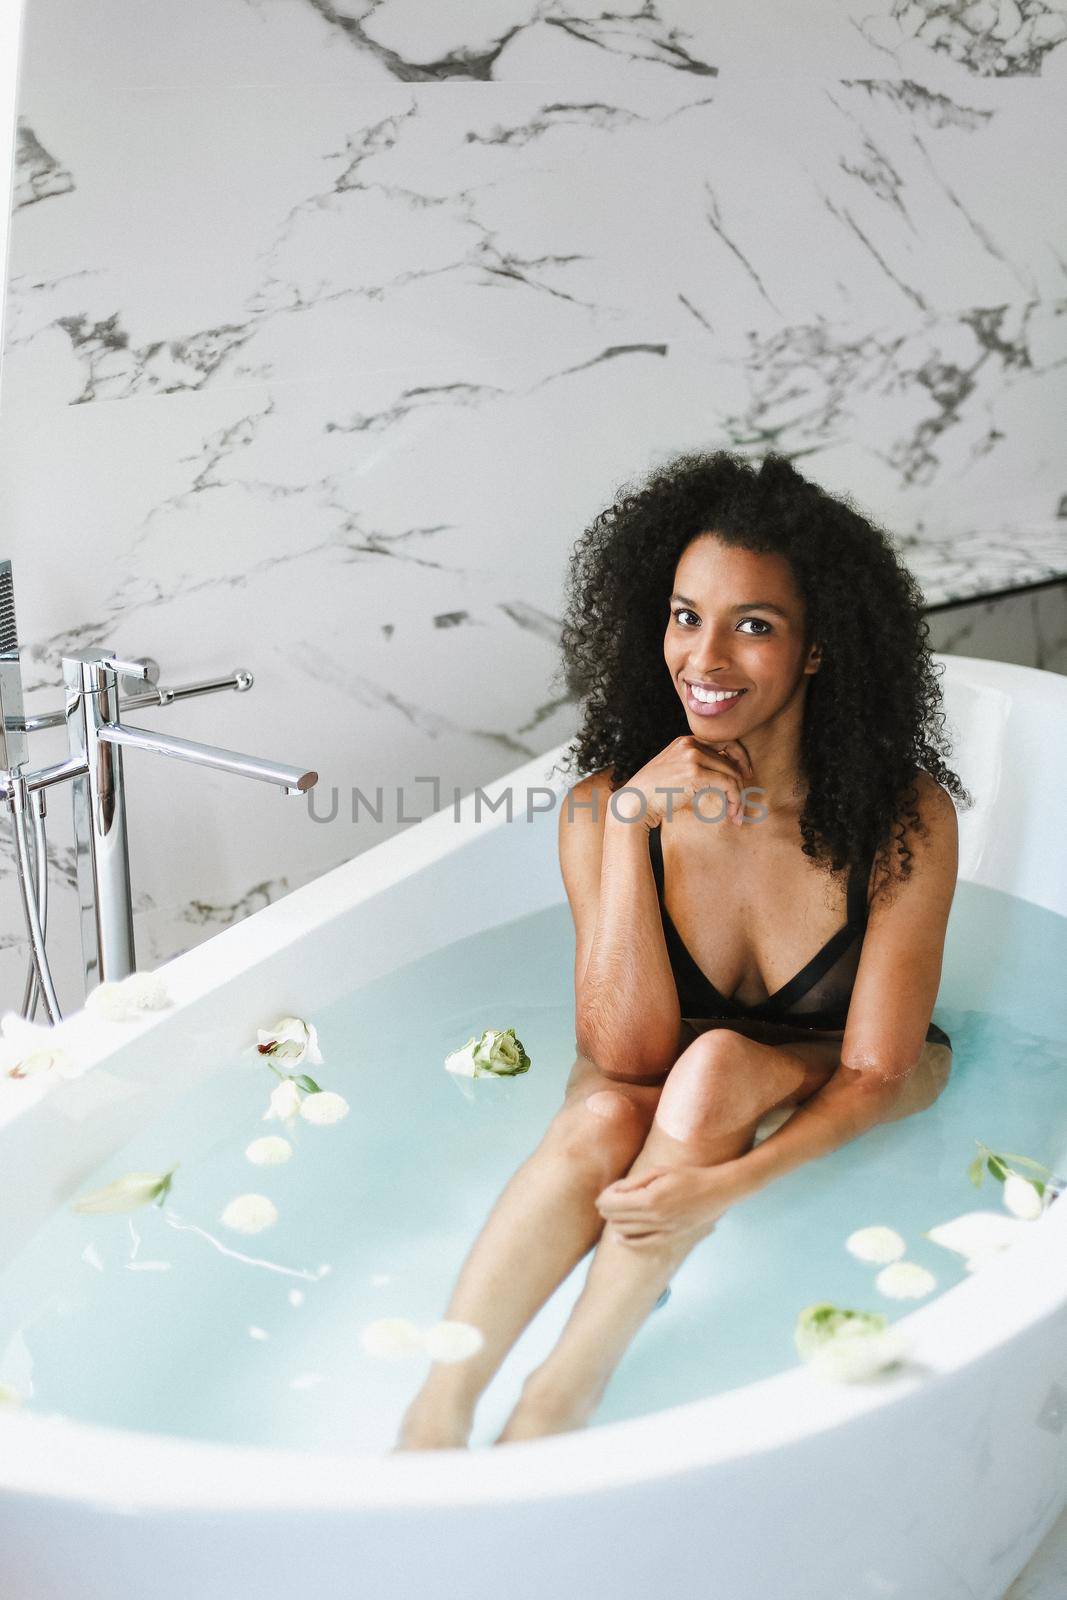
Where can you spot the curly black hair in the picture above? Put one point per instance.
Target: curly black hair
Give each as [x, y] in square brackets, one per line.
[872, 715]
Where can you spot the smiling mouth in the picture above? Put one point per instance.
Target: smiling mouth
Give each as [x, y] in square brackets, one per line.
[713, 697]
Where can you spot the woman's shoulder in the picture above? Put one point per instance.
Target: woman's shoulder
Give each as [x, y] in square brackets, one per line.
[930, 831]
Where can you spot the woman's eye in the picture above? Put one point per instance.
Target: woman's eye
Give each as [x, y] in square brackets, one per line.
[683, 612]
[761, 623]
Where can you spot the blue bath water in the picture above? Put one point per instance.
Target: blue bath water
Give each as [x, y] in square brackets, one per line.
[165, 1320]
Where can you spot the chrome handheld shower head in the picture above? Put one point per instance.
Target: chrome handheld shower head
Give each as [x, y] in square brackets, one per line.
[14, 748]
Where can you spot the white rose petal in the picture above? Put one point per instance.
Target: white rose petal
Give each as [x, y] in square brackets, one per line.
[851, 1359]
[125, 1194]
[292, 1040]
[27, 1048]
[128, 1000]
[296, 1297]
[461, 1062]
[146, 991]
[978, 1235]
[905, 1280]
[249, 1213]
[875, 1244]
[324, 1107]
[1021, 1198]
[269, 1152]
[391, 1338]
[453, 1341]
[284, 1102]
[258, 1333]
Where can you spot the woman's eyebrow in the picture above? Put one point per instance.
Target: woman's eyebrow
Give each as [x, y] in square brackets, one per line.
[749, 605]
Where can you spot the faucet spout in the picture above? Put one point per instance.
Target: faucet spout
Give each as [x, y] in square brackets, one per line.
[294, 780]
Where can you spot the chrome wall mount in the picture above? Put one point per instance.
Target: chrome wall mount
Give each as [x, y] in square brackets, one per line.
[96, 735]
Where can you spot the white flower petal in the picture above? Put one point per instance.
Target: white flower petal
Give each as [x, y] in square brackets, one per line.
[1021, 1198]
[461, 1062]
[109, 1000]
[875, 1244]
[453, 1341]
[258, 1333]
[978, 1235]
[269, 1152]
[296, 1297]
[249, 1213]
[127, 1193]
[391, 1338]
[324, 1107]
[130, 999]
[27, 1048]
[905, 1280]
[146, 991]
[284, 1101]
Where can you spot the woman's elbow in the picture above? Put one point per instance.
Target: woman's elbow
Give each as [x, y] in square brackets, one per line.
[630, 1064]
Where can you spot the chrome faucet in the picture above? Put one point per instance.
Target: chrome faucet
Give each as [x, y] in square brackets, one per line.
[96, 733]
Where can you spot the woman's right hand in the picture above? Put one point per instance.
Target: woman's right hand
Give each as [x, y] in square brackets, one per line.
[686, 766]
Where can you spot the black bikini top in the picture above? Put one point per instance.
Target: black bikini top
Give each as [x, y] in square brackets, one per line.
[818, 995]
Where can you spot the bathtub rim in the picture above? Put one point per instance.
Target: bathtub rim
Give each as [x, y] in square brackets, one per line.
[52, 1456]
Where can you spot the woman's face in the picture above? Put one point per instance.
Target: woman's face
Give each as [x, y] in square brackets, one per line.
[736, 622]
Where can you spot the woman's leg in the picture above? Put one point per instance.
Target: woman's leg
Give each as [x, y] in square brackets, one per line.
[542, 1225]
[718, 1092]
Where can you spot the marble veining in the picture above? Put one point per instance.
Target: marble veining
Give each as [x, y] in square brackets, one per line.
[326, 334]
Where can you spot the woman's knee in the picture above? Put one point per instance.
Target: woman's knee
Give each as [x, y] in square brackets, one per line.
[601, 1126]
[716, 1084]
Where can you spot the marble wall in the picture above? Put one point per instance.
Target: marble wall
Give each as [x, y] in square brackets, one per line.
[328, 330]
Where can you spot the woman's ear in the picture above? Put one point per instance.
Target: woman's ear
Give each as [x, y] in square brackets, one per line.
[814, 660]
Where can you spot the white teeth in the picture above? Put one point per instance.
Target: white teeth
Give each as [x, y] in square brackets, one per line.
[708, 697]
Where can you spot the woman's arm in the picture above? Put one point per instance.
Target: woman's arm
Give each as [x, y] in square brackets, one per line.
[627, 1016]
[892, 1001]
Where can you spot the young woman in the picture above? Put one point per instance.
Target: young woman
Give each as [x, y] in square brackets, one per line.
[760, 866]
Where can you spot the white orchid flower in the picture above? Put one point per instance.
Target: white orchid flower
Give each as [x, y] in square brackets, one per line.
[284, 1102]
[291, 1040]
[391, 1338]
[249, 1213]
[27, 1048]
[878, 1244]
[324, 1107]
[1021, 1198]
[130, 999]
[978, 1235]
[269, 1152]
[128, 1193]
[452, 1341]
[905, 1280]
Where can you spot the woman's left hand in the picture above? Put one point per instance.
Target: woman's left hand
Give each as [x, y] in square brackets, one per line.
[665, 1204]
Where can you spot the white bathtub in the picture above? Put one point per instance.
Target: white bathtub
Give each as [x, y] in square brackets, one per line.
[936, 1485]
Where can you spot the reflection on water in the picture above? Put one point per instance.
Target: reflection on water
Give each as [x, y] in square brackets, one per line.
[166, 1321]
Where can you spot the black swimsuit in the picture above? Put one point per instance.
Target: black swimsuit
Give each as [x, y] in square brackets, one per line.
[819, 994]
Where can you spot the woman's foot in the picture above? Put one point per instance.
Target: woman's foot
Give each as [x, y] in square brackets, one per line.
[536, 1416]
[437, 1425]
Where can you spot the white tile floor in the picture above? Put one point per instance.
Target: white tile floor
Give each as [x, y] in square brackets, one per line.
[1045, 1575]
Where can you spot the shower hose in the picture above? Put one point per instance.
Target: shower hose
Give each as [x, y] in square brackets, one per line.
[32, 873]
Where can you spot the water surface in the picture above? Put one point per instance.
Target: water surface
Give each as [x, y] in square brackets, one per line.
[154, 1321]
